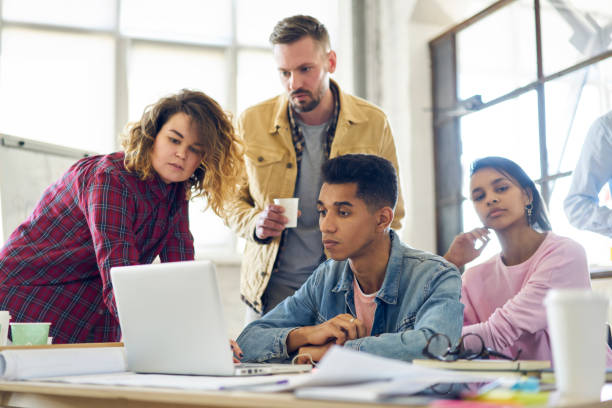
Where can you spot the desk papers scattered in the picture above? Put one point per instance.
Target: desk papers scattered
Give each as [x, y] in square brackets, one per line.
[342, 374]
[379, 377]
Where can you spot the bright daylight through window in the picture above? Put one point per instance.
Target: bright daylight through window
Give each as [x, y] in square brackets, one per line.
[532, 105]
[73, 72]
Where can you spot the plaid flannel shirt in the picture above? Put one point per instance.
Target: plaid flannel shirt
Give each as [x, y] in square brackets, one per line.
[55, 267]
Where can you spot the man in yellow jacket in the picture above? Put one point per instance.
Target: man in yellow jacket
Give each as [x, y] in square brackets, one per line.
[287, 139]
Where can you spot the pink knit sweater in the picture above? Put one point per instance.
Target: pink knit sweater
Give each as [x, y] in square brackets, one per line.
[504, 304]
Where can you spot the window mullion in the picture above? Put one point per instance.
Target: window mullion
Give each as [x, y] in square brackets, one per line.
[545, 186]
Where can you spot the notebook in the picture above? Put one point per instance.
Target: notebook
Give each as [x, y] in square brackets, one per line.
[172, 321]
[486, 365]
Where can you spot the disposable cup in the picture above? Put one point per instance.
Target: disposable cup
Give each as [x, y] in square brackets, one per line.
[29, 334]
[5, 318]
[576, 322]
[291, 210]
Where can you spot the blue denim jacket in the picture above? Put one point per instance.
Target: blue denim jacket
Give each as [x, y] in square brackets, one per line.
[419, 296]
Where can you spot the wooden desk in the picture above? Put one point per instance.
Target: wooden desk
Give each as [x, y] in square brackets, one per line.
[54, 395]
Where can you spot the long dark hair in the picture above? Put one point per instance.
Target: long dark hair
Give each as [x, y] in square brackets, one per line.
[539, 217]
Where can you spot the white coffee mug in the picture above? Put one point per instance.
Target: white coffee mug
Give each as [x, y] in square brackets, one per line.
[577, 328]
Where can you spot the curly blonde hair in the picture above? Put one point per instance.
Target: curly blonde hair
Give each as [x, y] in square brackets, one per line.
[218, 175]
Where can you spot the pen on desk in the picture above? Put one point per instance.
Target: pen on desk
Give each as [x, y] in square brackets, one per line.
[254, 385]
[490, 386]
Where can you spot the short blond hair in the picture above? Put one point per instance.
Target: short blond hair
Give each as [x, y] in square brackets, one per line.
[218, 175]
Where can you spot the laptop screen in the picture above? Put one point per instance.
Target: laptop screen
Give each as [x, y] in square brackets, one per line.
[171, 318]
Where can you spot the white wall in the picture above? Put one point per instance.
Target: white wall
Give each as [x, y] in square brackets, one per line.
[398, 75]
[420, 174]
[398, 80]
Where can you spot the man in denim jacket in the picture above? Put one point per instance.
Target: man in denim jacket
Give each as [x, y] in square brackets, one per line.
[375, 294]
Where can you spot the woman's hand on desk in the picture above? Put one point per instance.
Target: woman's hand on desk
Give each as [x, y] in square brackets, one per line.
[236, 351]
[463, 248]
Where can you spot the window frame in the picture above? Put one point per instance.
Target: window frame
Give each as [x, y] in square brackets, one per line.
[446, 128]
[123, 43]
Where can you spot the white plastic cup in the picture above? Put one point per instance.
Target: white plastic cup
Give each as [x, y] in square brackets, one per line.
[291, 210]
[577, 328]
[5, 318]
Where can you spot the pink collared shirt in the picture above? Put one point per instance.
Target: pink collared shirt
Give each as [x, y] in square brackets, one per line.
[365, 306]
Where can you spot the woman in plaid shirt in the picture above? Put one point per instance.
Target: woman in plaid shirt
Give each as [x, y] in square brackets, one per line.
[124, 208]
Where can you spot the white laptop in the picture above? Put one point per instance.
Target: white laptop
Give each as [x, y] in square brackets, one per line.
[172, 321]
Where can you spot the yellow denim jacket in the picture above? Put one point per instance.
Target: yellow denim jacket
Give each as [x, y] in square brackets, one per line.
[271, 173]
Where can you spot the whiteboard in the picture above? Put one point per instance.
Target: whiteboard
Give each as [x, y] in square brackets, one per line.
[27, 168]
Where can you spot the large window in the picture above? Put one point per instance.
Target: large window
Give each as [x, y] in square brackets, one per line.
[527, 79]
[74, 72]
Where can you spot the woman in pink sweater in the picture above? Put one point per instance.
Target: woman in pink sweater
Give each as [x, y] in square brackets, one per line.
[503, 296]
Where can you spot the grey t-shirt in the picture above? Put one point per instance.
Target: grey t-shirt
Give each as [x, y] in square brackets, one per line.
[303, 249]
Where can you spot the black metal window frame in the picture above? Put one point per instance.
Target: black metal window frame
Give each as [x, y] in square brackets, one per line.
[446, 128]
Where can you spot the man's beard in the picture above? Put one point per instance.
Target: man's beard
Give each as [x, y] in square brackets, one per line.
[307, 106]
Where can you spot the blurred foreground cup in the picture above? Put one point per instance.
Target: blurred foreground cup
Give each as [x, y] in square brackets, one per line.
[5, 318]
[577, 327]
[29, 334]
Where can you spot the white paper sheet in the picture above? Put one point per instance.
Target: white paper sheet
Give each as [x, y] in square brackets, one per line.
[381, 378]
[27, 364]
[334, 378]
[346, 366]
[266, 383]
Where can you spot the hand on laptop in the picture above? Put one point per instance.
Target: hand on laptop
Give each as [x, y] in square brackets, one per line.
[236, 351]
[337, 330]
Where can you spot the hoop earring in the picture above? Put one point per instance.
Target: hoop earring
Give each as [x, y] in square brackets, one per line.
[529, 208]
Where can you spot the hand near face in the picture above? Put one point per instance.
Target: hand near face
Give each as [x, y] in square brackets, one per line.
[312, 354]
[463, 248]
[337, 330]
